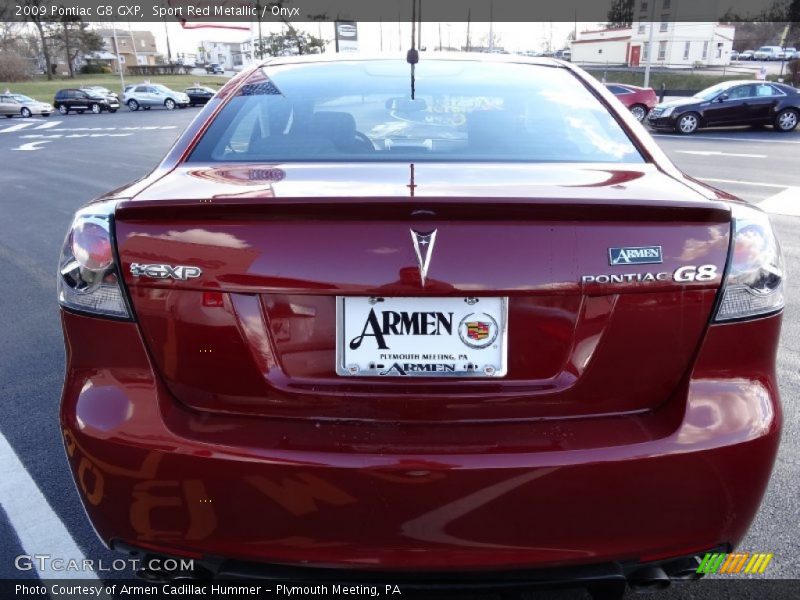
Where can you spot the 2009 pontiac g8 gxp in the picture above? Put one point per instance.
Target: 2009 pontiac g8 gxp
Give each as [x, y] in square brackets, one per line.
[456, 322]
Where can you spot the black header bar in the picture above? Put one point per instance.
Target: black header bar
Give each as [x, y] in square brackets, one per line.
[247, 11]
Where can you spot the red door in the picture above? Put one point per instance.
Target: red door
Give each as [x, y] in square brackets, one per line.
[636, 52]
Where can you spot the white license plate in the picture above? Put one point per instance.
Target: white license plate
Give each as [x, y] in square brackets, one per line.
[421, 337]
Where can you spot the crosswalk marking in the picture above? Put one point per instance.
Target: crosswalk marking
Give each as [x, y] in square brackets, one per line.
[16, 127]
[48, 125]
[55, 136]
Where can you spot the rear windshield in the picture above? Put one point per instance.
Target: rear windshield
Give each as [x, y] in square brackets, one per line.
[461, 111]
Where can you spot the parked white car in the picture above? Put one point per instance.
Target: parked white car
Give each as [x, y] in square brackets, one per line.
[148, 95]
[767, 53]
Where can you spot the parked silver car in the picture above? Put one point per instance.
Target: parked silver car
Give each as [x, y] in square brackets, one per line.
[767, 53]
[18, 104]
[147, 95]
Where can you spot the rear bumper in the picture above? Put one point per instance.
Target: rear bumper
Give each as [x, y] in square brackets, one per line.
[609, 576]
[677, 481]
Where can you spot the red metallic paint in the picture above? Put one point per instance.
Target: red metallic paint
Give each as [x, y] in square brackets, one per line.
[666, 482]
[627, 427]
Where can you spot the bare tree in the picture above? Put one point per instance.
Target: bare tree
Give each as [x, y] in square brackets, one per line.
[42, 27]
[77, 39]
[620, 14]
[10, 34]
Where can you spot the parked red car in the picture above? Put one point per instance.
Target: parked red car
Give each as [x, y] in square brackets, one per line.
[639, 100]
[439, 325]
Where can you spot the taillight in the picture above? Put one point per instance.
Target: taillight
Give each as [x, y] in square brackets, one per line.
[88, 280]
[754, 283]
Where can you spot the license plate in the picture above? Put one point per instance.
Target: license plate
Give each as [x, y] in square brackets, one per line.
[421, 337]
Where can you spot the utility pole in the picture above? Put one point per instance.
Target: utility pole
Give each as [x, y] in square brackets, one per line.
[169, 51]
[491, 25]
[419, 26]
[260, 42]
[469, 22]
[574, 27]
[650, 45]
[119, 60]
[133, 43]
[783, 48]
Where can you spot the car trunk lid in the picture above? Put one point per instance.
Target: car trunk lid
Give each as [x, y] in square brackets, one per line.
[256, 332]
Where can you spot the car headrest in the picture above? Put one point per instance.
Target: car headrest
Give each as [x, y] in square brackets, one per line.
[493, 128]
[337, 125]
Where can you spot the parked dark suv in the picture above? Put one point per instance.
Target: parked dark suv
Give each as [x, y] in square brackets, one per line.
[83, 100]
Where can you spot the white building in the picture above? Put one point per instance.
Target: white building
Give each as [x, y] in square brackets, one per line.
[602, 47]
[676, 44]
[228, 55]
[685, 34]
[683, 44]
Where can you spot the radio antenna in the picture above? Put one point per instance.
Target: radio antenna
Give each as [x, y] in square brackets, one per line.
[412, 56]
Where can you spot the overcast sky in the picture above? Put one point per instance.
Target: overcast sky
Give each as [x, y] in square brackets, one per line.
[391, 37]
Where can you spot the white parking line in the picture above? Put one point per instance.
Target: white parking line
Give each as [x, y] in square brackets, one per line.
[786, 202]
[718, 153]
[755, 183]
[39, 529]
[725, 138]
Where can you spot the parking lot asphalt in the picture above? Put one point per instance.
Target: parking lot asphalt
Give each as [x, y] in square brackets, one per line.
[50, 167]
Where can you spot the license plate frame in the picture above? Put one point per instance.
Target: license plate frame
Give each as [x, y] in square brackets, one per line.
[444, 352]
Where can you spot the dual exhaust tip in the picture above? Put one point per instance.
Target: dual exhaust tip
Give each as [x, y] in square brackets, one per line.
[659, 576]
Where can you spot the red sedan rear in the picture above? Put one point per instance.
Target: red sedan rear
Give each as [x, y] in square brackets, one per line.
[435, 322]
[639, 100]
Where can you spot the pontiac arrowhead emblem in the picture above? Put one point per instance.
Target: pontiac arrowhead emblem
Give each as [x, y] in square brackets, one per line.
[423, 247]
